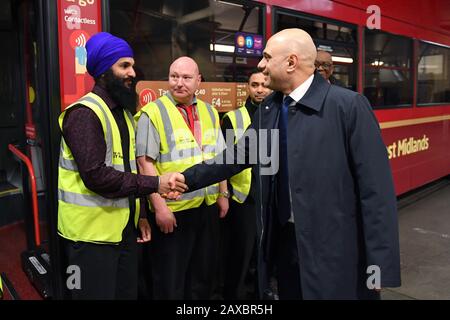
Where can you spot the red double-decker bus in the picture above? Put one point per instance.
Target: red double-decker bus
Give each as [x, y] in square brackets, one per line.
[396, 53]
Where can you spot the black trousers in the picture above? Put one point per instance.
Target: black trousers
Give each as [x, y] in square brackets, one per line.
[238, 236]
[107, 271]
[184, 262]
[287, 264]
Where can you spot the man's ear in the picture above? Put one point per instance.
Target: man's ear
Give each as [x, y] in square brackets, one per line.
[292, 62]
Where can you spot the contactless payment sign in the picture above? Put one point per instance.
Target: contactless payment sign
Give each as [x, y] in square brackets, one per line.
[248, 44]
[78, 20]
[147, 95]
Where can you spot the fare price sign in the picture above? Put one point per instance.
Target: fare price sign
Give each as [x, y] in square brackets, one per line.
[78, 20]
[224, 96]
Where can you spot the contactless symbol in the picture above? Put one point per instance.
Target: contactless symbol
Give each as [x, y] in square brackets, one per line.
[145, 96]
[78, 38]
[249, 41]
[240, 41]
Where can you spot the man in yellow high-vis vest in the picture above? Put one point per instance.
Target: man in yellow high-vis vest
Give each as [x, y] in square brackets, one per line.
[175, 132]
[238, 229]
[98, 184]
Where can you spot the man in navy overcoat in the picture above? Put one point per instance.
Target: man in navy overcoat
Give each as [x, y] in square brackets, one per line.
[327, 207]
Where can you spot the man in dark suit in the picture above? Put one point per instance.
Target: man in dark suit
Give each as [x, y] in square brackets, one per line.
[327, 217]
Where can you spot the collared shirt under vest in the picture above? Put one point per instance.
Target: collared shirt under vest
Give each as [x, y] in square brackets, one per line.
[178, 148]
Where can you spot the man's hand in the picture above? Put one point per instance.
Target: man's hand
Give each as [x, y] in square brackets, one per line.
[222, 201]
[144, 227]
[165, 219]
[223, 204]
[170, 183]
[172, 195]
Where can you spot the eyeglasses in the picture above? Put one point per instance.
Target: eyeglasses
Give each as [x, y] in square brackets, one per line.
[324, 65]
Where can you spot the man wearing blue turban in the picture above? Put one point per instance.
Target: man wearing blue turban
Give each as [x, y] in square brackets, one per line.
[110, 62]
[99, 191]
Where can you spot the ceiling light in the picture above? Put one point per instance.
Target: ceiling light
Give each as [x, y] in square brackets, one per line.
[221, 48]
[342, 59]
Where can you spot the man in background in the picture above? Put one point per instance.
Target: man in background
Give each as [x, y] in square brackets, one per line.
[238, 229]
[324, 65]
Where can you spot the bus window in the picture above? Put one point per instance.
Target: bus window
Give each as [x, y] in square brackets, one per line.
[161, 31]
[388, 74]
[338, 38]
[433, 74]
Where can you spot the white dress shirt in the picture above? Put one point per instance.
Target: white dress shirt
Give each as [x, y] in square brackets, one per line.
[296, 95]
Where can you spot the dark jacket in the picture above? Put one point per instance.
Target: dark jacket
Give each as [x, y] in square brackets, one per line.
[343, 197]
[336, 82]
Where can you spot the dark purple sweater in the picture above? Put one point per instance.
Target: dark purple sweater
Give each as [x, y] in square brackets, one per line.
[83, 133]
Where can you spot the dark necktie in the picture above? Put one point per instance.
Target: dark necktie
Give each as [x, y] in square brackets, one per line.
[284, 201]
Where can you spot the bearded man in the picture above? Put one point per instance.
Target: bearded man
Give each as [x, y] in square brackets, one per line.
[99, 189]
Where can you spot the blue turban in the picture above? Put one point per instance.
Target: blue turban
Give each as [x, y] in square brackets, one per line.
[103, 50]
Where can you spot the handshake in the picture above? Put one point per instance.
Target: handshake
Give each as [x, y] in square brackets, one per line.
[172, 185]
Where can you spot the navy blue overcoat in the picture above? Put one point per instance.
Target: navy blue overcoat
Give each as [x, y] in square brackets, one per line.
[342, 191]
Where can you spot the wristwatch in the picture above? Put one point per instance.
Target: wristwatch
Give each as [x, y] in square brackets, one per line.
[225, 194]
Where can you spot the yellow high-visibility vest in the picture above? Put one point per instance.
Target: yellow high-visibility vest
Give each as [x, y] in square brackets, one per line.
[179, 150]
[84, 215]
[240, 120]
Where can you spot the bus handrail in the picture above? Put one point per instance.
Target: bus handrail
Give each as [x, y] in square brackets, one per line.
[34, 197]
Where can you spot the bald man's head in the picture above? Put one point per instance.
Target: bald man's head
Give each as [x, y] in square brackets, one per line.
[185, 63]
[299, 42]
[184, 79]
[288, 59]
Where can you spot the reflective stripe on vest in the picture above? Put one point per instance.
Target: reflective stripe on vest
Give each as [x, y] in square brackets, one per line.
[179, 149]
[241, 182]
[69, 164]
[88, 200]
[84, 215]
